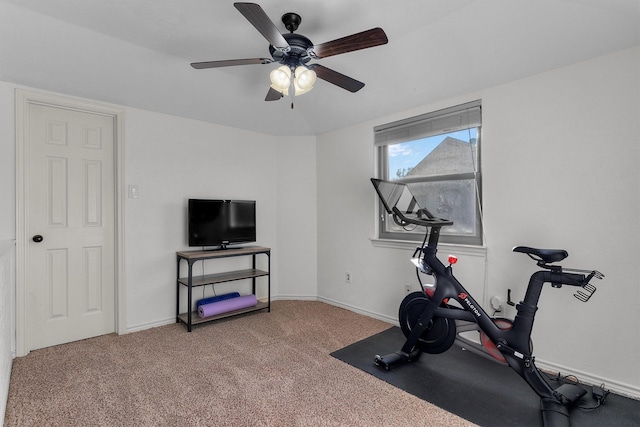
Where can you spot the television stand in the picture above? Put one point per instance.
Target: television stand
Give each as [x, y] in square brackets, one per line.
[191, 318]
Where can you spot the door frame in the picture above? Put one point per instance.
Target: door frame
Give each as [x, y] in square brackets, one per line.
[24, 99]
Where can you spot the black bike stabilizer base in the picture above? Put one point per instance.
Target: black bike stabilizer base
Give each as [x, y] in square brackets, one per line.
[555, 413]
[392, 360]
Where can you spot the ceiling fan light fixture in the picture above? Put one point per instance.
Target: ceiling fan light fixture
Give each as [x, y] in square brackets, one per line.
[281, 79]
[304, 80]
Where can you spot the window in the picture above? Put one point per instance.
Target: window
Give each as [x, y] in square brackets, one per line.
[437, 155]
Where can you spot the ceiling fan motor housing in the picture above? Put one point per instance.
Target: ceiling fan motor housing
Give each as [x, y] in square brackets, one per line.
[297, 55]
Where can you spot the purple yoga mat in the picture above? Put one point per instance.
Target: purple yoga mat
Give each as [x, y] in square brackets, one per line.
[231, 304]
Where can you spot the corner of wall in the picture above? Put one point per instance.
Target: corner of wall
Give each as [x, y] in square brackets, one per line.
[7, 323]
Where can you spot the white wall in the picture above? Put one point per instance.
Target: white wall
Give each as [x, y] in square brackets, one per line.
[346, 202]
[7, 239]
[172, 159]
[575, 165]
[7, 162]
[561, 168]
[297, 218]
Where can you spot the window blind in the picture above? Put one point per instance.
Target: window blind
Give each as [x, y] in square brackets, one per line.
[438, 122]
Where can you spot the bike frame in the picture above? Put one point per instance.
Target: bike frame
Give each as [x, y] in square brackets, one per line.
[513, 343]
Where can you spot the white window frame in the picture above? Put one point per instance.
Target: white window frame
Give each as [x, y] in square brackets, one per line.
[460, 117]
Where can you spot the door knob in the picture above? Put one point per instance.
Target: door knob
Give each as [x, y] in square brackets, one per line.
[37, 238]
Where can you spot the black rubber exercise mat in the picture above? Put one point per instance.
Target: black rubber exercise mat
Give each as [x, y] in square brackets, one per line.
[477, 389]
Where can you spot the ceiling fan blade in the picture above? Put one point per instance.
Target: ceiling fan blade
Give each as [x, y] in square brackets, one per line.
[338, 79]
[230, 63]
[263, 24]
[273, 95]
[363, 40]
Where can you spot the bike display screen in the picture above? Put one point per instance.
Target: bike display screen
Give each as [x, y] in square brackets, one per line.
[395, 195]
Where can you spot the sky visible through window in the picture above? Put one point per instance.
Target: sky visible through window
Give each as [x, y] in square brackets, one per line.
[408, 154]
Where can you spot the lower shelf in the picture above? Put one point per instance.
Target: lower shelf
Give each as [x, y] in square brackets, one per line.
[195, 319]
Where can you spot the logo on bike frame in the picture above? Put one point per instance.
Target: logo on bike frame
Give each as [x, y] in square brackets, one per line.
[464, 297]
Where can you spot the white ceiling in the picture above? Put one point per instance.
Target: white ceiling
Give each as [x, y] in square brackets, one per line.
[137, 53]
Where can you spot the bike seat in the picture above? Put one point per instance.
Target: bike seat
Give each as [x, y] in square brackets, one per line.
[546, 255]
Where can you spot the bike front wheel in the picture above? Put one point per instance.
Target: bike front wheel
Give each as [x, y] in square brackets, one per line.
[439, 335]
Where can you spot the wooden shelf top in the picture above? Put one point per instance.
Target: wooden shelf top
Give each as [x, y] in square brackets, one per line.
[221, 253]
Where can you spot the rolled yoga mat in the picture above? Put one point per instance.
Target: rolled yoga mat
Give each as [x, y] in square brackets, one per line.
[227, 305]
[217, 298]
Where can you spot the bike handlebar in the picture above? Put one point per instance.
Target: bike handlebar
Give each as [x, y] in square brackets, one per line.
[423, 217]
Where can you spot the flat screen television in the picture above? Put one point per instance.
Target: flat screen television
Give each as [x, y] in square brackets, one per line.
[221, 222]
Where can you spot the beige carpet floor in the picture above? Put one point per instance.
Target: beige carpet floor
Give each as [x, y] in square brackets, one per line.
[262, 369]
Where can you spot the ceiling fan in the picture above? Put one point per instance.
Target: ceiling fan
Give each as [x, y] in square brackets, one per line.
[294, 51]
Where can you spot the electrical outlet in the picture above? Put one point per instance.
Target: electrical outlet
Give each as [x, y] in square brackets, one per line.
[347, 277]
[407, 289]
[496, 303]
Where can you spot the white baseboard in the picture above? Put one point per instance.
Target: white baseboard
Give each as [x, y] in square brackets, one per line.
[143, 326]
[294, 298]
[358, 310]
[337, 304]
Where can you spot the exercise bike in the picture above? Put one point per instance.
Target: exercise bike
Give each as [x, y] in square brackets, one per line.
[432, 322]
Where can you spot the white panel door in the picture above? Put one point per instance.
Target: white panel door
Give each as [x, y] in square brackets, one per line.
[71, 221]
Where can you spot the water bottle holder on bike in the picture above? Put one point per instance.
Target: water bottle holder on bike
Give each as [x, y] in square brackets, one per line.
[584, 296]
[587, 289]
